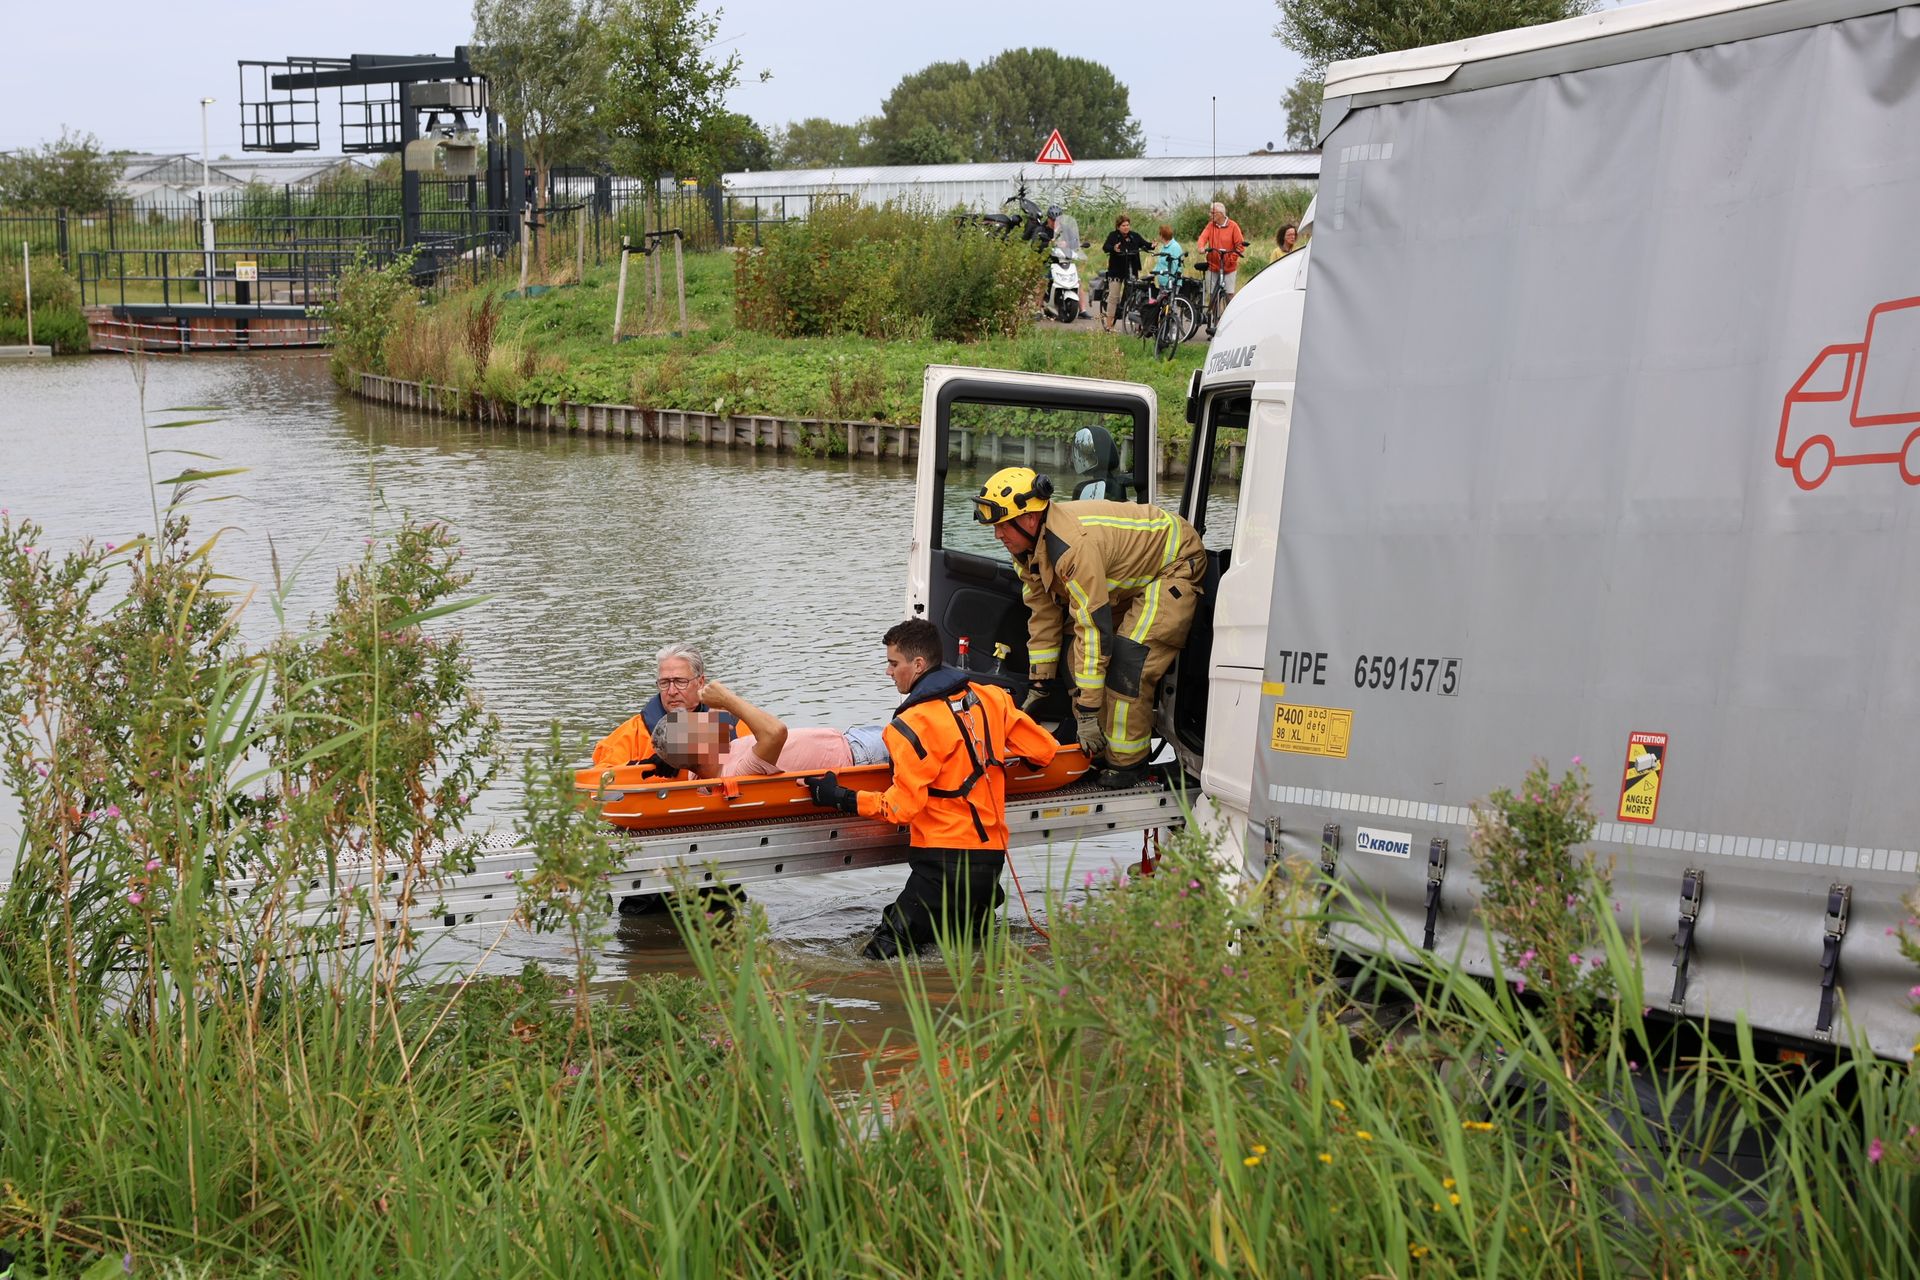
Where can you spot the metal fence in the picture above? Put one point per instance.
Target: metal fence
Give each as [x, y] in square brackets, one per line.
[297, 238]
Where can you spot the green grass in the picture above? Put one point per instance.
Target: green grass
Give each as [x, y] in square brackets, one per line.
[1182, 1082]
[1170, 1091]
[558, 347]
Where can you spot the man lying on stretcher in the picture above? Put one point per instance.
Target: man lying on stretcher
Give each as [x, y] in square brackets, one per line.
[698, 742]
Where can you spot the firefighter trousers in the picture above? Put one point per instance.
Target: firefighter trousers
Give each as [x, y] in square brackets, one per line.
[955, 889]
[1151, 628]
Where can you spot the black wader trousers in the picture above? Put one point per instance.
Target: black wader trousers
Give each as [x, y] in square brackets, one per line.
[960, 887]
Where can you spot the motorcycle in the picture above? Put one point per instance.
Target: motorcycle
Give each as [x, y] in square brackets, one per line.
[1030, 221]
[1062, 300]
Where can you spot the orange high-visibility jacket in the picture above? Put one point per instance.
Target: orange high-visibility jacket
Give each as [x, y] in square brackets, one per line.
[950, 741]
[632, 742]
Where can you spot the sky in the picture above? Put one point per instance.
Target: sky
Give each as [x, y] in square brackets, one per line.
[133, 73]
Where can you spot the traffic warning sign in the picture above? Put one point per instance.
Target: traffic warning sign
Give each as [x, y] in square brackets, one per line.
[1640, 783]
[1055, 152]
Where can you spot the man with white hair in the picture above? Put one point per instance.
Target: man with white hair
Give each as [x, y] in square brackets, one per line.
[680, 685]
[1221, 240]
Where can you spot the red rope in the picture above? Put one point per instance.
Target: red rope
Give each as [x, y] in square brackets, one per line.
[1149, 851]
[1024, 906]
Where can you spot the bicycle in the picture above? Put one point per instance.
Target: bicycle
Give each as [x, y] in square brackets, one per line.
[1217, 296]
[1162, 313]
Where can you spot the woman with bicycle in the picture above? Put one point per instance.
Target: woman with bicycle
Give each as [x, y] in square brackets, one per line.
[1166, 316]
[1123, 246]
[1167, 257]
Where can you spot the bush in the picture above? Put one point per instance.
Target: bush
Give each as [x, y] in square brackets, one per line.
[888, 272]
[57, 318]
[366, 309]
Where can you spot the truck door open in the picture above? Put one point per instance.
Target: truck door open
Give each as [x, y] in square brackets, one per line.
[1093, 438]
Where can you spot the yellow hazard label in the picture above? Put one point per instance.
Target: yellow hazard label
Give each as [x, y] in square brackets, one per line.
[1640, 780]
[1312, 731]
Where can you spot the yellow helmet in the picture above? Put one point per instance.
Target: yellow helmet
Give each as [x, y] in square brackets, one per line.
[1010, 492]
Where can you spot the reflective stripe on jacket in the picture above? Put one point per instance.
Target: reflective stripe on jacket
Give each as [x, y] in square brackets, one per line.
[950, 741]
[1089, 553]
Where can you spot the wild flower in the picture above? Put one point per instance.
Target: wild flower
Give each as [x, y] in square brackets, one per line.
[1875, 1150]
[1326, 1157]
[1251, 1161]
[1478, 1126]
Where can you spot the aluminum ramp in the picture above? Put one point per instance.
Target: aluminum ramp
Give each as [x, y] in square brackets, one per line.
[722, 853]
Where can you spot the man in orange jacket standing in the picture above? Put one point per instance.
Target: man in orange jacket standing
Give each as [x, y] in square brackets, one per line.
[950, 741]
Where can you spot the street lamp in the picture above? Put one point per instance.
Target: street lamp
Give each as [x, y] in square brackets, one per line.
[206, 208]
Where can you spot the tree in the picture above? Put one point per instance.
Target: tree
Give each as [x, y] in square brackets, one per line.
[1324, 31]
[1004, 110]
[1031, 92]
[70, 173]
[943, 97]
[927, 144]
[545, 66]
[1302, 105]
[665, 99]
[742, 145]
[820, 143]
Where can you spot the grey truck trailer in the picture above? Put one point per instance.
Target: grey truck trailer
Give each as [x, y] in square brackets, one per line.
[1604, 441]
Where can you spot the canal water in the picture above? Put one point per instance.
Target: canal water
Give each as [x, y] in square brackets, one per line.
[593, 553]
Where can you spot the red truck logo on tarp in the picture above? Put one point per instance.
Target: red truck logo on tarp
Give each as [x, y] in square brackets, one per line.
[1858, 402]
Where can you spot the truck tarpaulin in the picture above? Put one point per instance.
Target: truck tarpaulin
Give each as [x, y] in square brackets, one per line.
[1550, 493]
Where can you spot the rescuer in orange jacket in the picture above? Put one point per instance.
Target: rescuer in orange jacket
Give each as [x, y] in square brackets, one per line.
[681, 681]
[950, 741]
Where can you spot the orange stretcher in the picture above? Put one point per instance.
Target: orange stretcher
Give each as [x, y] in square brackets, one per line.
[633, 799]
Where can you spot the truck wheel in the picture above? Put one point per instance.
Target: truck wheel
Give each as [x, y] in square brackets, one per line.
[1910, 459]
[1814, 462]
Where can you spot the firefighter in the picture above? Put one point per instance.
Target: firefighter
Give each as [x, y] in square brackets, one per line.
[680, 683]
[1127, 575]
[950, 740]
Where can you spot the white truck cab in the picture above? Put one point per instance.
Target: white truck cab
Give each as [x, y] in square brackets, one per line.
[1097, 438]
[1241, 409]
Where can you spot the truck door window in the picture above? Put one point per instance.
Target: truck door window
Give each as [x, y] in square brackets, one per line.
[1086, 455]
[1213, 482]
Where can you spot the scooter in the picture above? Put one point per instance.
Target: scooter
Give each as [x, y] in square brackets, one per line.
[1062, 300]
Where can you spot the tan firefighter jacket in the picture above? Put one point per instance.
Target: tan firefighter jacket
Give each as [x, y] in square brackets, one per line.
[1093, 559]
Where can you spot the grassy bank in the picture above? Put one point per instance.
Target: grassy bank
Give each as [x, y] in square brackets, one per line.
[1181, 1082]
[558, 346]
[1175, 1089]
